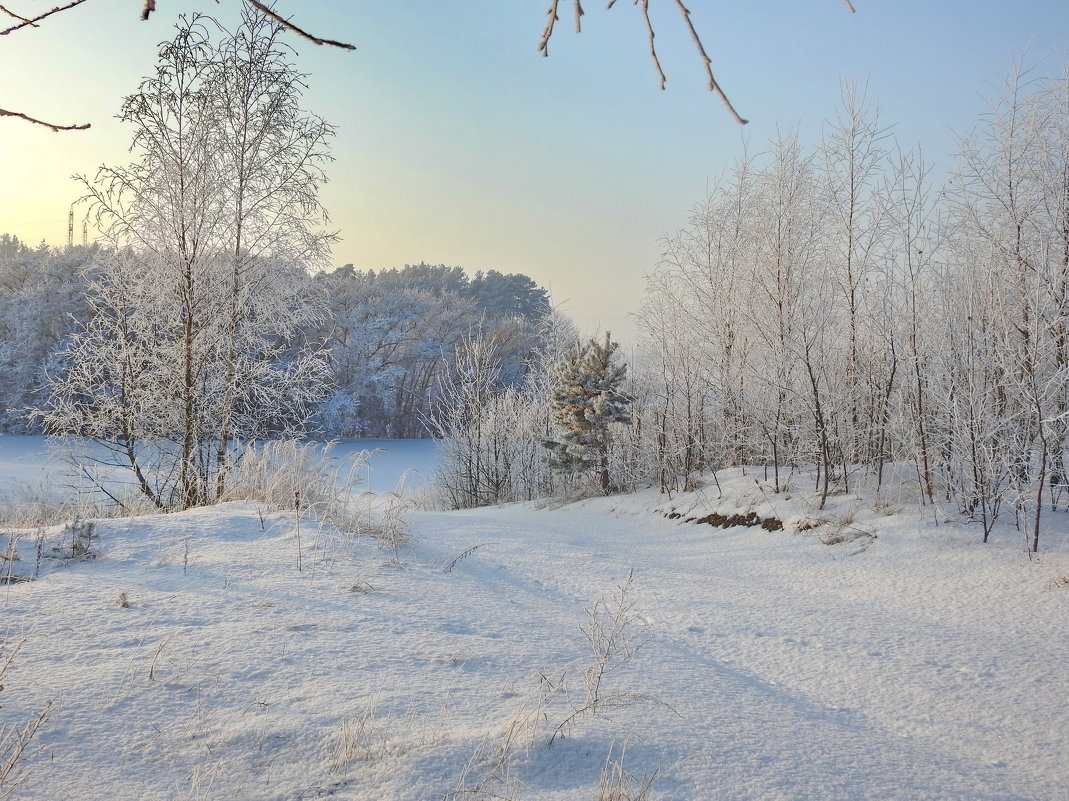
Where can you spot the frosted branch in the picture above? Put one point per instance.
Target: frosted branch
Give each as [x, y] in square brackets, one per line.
[5, 113]
[285, 23]
[653, 47]
[713, 85]
[32, 21]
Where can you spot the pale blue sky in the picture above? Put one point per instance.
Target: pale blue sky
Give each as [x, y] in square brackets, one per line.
[458, 144]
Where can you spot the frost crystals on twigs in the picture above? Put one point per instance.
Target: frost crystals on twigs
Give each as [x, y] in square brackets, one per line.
[5, 113]
[32, 21]
[552, 18]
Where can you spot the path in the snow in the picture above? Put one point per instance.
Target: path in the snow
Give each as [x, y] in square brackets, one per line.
[827, 676]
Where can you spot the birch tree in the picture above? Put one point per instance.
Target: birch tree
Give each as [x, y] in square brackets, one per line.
[272, 154]
[781, 315]
[853, 155]
[695, 315]
[917, 240]
[205, 285]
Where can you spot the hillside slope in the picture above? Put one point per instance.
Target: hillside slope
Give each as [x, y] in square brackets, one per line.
[916, 664]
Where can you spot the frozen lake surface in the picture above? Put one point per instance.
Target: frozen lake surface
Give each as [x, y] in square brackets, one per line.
[33, 460]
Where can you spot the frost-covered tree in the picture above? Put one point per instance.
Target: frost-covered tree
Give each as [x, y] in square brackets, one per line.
[586, 403]
[854, 316]
[853, 157]
[917, 240]
[513, 295]
[42, 301]
[396, 336]
[483, 427]
[695, 326]
[272, 154]
[491, 429]
[1011, 217]
[198, 301]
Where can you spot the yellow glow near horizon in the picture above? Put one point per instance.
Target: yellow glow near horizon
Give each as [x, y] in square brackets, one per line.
[458, 144]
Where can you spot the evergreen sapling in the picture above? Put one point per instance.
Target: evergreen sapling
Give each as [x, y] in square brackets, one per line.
[585, 403]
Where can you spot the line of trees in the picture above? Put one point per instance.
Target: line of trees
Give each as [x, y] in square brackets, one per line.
[42, 303]
[831, 312]
[390, 336]
[835, 308]
[394, 336]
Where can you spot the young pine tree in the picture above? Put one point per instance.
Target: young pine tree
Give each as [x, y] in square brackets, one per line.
[585, 402]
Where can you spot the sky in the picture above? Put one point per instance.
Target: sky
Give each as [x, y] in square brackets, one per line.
[459, 144]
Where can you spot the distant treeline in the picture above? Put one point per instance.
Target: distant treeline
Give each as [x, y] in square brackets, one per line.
[394, 337]
[391, 335]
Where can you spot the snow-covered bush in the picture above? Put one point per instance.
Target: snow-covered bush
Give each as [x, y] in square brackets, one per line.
[16, 738]
[490, 432]
[283, 473]
[310, 479]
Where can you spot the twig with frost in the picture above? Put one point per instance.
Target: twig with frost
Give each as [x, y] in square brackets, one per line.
[460, 557]
[15, 739]
[614, 640]
[619, 784]
[488, 773]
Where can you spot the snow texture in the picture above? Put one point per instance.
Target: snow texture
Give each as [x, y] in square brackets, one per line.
[907, 662]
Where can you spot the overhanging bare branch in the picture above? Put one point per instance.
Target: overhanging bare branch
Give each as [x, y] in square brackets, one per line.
[32, 21]
[644, 7]
[713, 85]
[148, 6]
[12, 14]
[285, 23]
[5, 113]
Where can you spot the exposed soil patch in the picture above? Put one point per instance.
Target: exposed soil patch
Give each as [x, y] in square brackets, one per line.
[731, 521]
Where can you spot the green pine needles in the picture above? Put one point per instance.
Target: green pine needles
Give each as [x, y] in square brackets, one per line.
[585, 403]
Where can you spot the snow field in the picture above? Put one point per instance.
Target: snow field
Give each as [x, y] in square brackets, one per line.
[919, 664]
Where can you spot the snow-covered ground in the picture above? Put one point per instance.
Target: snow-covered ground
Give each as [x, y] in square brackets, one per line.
[913, 664]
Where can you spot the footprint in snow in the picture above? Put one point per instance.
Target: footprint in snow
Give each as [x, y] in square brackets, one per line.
[456, 628]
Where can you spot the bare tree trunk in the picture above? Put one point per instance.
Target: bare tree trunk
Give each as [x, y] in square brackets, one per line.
[821, 426]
